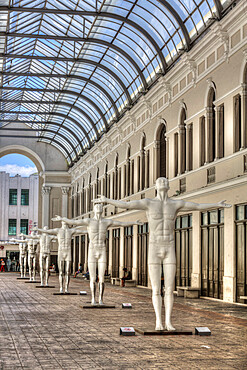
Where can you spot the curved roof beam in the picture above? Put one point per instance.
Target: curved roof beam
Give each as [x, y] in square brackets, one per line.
[40, 137]
[37, 137]
[42, 129]
[65, 76]
[75, 60]
[94, 14]
[71, 106]
[53, 114]
[184, 30]
[68, 92]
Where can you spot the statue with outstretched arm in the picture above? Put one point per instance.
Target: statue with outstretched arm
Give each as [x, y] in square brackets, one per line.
[161, 214]
[44, 254]
[23, 254]
[97, 229]
[64, 235]
[32, 245]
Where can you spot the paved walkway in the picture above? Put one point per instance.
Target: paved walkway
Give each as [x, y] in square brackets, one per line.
[41, 331]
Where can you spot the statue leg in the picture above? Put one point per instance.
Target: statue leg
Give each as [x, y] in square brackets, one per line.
[47, 264]
[169, 278]
[61, 273]
[67, 275]
[41, 266]
[101, 271]
[92, 273]
[22, 266]
[155, 277]
[30, 267]
[34, 268]
[25, 266]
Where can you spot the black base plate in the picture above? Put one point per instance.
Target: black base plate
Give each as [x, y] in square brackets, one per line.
[25, 278]
[32, 282]
[64, 293]
[99, 306]
[45, 286]
[163, 332]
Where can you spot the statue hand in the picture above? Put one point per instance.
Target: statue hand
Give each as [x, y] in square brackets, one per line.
[34, 228]
[101, 199]
[138, 222]
[224, 205]
[57, 218]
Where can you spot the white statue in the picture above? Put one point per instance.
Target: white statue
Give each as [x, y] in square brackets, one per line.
[64, 235]
[44, 255]
[97, 229]
[23, 254]
[32, 245]
[161, 214]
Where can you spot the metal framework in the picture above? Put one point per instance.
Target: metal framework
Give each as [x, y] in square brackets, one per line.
[89, 62]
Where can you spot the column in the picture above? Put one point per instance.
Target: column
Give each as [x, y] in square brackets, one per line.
[147, 174]
[196, 250]
[74, 254]
[167, 158]
[110, 251]
[127, 179]
[65, 199]
[46, 190]
[188, 147]
[135, 253]
[123, 189]
[86, 253]
[121, 257]
[79, 256]
[244, 116]
[142, 169]
[229, 278]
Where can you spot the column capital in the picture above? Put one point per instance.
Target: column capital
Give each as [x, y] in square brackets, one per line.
[46, 190]
[65, 190]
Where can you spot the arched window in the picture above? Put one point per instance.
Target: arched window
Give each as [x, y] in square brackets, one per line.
[237, 121]
[182, 141]
[97, 192]
[143, 162]
[77, 200]
[115, 178]
[83, 196]
[210, 140]
[128, 173]
[162, 152]
[90, 207]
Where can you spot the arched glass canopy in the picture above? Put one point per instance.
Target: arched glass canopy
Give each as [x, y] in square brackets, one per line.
[70, 69]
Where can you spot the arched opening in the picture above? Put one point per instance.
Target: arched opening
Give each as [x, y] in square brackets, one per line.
[182, 139]
[162, 152]
[19, 184]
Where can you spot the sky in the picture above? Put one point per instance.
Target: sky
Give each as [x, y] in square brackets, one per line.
[17, 164]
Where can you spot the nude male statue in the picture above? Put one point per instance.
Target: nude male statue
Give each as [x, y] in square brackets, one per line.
[97, 229]
[32, 245]
[161, 214]
[23, 254]
[44, 254]
[64, 235]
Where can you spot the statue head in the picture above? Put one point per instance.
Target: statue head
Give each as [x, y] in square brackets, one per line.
[33, 233]
[45, 227]
[98, 209]
[162, 183]
[64, 225]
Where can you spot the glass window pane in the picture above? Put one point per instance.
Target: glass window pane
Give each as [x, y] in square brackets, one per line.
[12, 226]
[185, 221]
[24, 197]
[240, 212]
[12, 197]
[213, 217]
[24, 227]
[204, 218]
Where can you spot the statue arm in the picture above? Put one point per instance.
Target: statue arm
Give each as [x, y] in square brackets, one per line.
[50, 231]
[71, 221]
[119, 223]
[191, 206]
[141, 204]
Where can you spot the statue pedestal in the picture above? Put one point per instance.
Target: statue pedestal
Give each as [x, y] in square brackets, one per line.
[24, 278]
[32, 282]
[64, 294]
[99, 306]
[45, 286]
[163, 332]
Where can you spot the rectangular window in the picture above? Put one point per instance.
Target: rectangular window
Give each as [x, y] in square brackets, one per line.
[237, 121]
[24, 197]
[24, 226]
[12, 226]
[12, 197]
[202, 141]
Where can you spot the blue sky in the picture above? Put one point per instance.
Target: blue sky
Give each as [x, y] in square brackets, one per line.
[17, 164]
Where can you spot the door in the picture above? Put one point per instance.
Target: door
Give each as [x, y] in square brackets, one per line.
[128, 235]
[241, 252]
[142, 255]
[183, 246]
[212, 253]
[115, 252]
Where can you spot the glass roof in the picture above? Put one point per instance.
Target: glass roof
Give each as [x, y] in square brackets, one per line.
[71, 68]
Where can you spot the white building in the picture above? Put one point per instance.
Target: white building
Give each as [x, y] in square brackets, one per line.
[18, 208]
